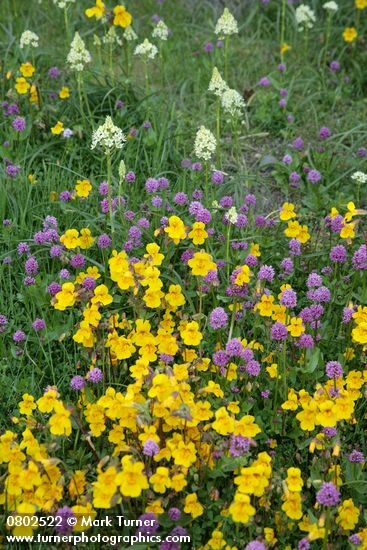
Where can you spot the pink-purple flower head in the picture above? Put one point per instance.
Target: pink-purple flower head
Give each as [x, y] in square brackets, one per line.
[328, 494]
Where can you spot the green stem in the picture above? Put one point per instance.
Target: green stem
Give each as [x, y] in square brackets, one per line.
[218, 132]
[146, 79]
[327, 38]
[207, 183]
[109, 195]
[327, 529]
[306, 42]
[80, 94]
[227, 249]
[67, 24]
[282, 28]
[110, 61]
[233, 318]
[226, 44]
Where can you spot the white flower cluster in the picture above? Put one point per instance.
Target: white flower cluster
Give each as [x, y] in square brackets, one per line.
[146, 49]
[29, 38]
[130, 34]
[108, 136]
[226, 24]
[205, 143]
[305, 17]
[160, 31]
[63, 3]
[232, 215]
[217, 84]
[112, 37]
[331, 6]
[359, 177]
[232, 102]
[78, 55]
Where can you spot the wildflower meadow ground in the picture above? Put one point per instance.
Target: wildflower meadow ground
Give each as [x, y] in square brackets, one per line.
[183, 273]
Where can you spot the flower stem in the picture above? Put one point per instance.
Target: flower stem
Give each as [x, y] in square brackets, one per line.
[327, 528]
[218, 132]
[109, 195]
[227, 250]
[282, 28]
[67, 24]
[226, 44]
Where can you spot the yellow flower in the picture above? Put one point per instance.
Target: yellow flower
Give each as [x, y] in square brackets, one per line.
[85, 240]
[27, 69]
[64, 93]
[178, 482]
[153, 254]
[25, 528]
[104, 488]
[347, 231]
[255, 250]
[131, 480]
[191, 334]
[243, 277]
[293, 505]
[198, 235]
[160, 481]
[296, 327]
[152, 298]
[284, 48]
[216, 542]
[22, 86]
[27, 405]
[83, 188]
[272, 370]
[184, 455]
[246, 427]
[33, 94]
[350, 34]
[175, 229]
[241, 510]
[287, 212]
[122, 17]
[294, 480]
[307, 416]
[60, 422]
[193, 506]
[327, 414]
[97, 11]
[361, 4]
[70, 239]
[47, 402]
[265, 306]
[201, 264]
[58, 128]
[66, 297]
[359, 334]
[174, 297]
[101, 296]
[32, 179]
[348, 515]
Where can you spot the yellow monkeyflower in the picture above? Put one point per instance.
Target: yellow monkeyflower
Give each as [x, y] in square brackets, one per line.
[350, 34]
[27, 69]
[58, 128]
[64, 93]
[122, 18]
[83, 188]
[21, 85]
[361, 4]
[96, 11]
[284, 48]
[287, 212]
